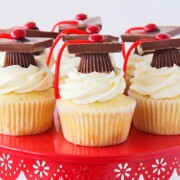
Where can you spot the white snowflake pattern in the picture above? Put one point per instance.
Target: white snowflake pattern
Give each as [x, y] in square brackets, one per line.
[159, 166]
[41, 168]
[123, 171]
[6, 162]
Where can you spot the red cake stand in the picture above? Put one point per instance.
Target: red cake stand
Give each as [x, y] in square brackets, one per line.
[50, 156]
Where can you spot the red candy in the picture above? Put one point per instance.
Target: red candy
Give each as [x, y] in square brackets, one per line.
[96, 38]
[18, 33]
[30, 25]
[150, 27]
[162, 36]
[81, 17]
[93, 29]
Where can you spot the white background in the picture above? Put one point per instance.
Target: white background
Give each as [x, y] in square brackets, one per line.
[117, 15]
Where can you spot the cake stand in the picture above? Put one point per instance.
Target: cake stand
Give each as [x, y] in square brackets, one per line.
[50, 156]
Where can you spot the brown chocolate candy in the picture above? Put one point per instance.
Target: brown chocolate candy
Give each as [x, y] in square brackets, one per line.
[105, 47]
[137, 35]
[83, 24]
[20, 52]
[107, 38]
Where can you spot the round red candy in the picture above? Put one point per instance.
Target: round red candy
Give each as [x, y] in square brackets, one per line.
[81, 17]
[30, 25]
[162, 36]
[150, 27]
[18, 33]
[96, 38]
[93, 29]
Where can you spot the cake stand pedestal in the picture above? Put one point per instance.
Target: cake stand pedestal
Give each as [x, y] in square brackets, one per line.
[50, 156]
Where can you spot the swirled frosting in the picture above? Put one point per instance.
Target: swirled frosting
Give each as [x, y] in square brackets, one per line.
[22, 80]
[92, 87]
[133, 60]
[156, 83]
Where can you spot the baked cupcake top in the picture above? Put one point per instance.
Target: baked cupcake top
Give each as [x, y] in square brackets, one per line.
[158, 77]
[95, 79]
[20, 72]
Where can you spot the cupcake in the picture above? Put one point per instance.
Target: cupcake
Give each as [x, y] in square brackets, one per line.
[138, 33]
[156, 88]
[26, 86]
[93, 109]
[69, 61]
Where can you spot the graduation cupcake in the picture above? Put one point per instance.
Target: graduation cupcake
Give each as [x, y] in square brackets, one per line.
[156, 88]
[26, 86]
[93, 109]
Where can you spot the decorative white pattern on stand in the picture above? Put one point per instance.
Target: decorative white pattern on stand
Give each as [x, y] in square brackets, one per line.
[159, 166]
[123, 171]
[6, 162]
[41, 168]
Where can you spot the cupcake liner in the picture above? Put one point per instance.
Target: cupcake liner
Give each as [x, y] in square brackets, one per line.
[26, 117]
[156, 116]
[95, 127]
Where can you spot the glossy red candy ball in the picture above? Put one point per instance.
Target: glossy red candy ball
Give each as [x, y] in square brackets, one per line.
[162, 36]
[96, 38]
[30, 25]
[93, 29]
[150, 27]
[18, 33]
[81, 17]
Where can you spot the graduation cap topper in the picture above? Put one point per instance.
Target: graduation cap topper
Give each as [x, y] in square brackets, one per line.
[81, 21]
[149, 31]
[19, 49]
[165, 50]
[94, 54]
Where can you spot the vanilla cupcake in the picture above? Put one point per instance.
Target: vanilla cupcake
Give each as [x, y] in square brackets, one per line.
[26, 87]
[138, 33]
[93, 109]
[156, 89]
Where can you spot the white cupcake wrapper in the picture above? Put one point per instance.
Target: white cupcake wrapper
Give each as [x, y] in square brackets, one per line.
[156, 116]
[26, 117]
[95, 128]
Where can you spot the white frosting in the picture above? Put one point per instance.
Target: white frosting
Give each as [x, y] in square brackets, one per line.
[156, 83]
[22, 80]
[2, 57]
[133, 60]
[92, 87]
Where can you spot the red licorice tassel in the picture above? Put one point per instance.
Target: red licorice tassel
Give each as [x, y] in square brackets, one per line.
[70, 22]
[5, 36]
[133, 46]
[58, 38]
[134, 29]
[123, 50]
[57, 69]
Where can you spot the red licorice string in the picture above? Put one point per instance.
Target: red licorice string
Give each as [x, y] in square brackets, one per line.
[70, 22]
[57, 69]
[5, 36]
[58, 38]
[123, 50]
[134, 29]
[133, 46]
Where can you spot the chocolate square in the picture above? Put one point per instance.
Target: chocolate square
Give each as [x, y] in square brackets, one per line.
[29, 45]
